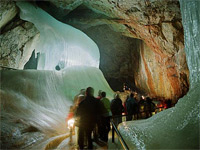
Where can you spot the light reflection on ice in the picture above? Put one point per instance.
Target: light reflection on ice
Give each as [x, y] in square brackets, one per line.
[59, 43]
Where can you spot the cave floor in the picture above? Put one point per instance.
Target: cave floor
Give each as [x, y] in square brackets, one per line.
[66, 144]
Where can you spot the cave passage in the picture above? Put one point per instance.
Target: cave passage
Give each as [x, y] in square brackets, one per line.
[119, 61]
[132, 61]
[35, 103]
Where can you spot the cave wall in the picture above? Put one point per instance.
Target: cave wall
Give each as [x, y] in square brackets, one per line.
[8, 10]
[118, 60]
[145, 46]
[17, 39]
[163, 70]
[158, 78]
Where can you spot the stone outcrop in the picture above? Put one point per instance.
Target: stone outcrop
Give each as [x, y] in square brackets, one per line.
[8, 10]
[16, 36]
[145, 46]
[161, 78]
[13, 46]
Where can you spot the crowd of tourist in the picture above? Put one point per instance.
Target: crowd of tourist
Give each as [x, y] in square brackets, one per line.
[93, 114]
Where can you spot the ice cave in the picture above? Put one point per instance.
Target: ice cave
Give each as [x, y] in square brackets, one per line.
[50, 50]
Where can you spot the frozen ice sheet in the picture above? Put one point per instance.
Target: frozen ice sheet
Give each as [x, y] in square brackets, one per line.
[59, 44]
[43, 98]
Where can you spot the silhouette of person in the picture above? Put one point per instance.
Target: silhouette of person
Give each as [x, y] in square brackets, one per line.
[131, 106]
[88, 111]
[150, 107]
[117, 109]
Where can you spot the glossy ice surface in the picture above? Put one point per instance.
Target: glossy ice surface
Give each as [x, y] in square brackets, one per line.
[59, 44]
[42, 97]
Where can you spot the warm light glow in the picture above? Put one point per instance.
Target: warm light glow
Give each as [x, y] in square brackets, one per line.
[71, 123]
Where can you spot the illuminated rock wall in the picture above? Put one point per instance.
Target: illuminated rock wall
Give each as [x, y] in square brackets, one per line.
[161, 77]
[158, 68]
[177, 127]
[163, 70]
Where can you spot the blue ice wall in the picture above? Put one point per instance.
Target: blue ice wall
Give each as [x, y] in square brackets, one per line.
[59, 44]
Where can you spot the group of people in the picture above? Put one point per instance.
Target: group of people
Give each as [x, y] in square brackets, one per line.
[136, 109]
[92, 115]
[141, 107]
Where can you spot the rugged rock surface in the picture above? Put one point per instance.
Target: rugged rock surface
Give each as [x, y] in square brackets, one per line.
[162, 70]
[159, 77]
[150, 57]
[117, 59]
[8, 10]
[16, 38]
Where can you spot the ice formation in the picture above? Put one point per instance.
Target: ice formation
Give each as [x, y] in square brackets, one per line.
[42, 97]
[59, 44]
[178, 127]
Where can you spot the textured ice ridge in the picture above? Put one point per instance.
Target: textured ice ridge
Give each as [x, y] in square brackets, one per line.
[59, 44]
[42, 97]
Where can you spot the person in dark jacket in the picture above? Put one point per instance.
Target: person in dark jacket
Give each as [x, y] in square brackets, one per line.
[150, 107]
[124, 105]
[117, 109]
[142, 107]
[97, 128]
[131, 106]
[88, 111]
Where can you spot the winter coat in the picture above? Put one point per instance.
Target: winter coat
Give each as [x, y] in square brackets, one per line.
[116, 107]
[106, 107]
[88, 111]
[131, 106]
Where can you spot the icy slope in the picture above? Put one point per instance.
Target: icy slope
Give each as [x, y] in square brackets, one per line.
[178, 127]
[59, 44]
[42, 98]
